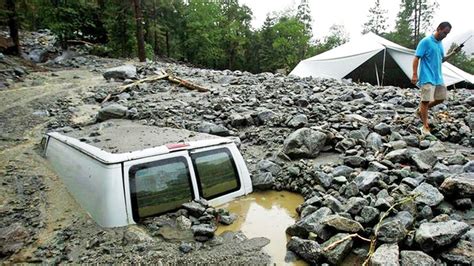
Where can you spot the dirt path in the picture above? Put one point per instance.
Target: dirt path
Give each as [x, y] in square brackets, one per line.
[28, 182]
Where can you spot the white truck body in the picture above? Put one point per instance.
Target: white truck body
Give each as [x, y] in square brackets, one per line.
[120, 188]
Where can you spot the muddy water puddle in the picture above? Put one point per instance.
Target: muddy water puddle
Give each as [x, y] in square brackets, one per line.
[266, 214]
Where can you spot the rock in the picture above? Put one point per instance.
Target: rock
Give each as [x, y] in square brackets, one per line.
[374, 141]
[351, 190]
[456, 158]
[459, 186]
[183, 222]
[431, 236]
[263, 180]
[238, 120]
[355, 204]
[391, 231]
[304, 143]
[309, 250]
[310, 223]
[469, 167]
[355, 161]
[185, 247]
[342, 223]
[462, 253]
[121, 72]
[203, 232]
[264, 116]
[298, 121]
[210, 128]
[425, 159]
[322, 178]
[136, 235]
[337, 254]
[369, 214]
[366, 179]
[268, 166]
[385, 255]
[470, 100]
[194, 208]
[112, 111]
[12, 239]
[397, 156]
[227, 219]
[342, 170]
[382, 129]
[406, 218]
[429, 195]
[412, 257]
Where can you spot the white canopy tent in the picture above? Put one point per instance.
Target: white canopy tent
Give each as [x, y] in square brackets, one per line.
[342, 61]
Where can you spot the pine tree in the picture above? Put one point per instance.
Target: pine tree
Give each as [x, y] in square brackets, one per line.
[377, 22]
[303, 14]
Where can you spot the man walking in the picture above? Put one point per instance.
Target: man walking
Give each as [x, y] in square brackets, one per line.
[433, 91]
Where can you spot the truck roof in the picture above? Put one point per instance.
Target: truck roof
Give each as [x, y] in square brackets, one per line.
[118, 140]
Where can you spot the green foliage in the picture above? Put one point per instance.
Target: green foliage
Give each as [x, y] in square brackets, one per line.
[120, 27]
[337, 36]
[462, 60]
[377, 22]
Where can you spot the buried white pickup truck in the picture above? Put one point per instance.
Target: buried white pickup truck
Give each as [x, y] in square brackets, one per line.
[121, 172]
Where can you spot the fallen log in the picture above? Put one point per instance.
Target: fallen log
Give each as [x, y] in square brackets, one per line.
[186, 84]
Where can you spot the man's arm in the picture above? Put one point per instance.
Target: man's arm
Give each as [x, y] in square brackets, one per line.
[414, 78]
[455, 51]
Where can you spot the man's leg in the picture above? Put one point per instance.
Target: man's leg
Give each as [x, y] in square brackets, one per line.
[440, 94]
[426, 95]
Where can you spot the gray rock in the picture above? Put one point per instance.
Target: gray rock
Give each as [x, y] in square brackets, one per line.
[304, 143]
[298, 121]
[469, 167]
[203, 232]
[351, 190]
[429, 195]
[470, 100]
[462, 253]
[456, 158]
[375, 166]
[112, 111]
[121, 72]
[459, 186]
[310, 223]
[322, 178]
[263, 180]
[431, 236]
[355, 204]
[227, 219]
[382, 129]
[194, 208]
[374, 141]
[412, 257]
[268, 166]
[337, 254]
[309, 250]
[425, 159]
[211, 128]
[385, 255]
[397, 156]
[365, 180]
[355, 161]
[342, 224]
[391, 231]
[406, 218]
[342, 170]
[185, 247]
[264, 116]
[369, 214]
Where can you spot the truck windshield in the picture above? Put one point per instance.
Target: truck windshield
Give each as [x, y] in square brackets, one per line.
[216, 172]
[159, 186]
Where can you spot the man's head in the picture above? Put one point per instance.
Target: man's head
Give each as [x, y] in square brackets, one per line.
[442, 30]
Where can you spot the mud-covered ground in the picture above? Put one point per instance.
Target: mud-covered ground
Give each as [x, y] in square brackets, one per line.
[41, 222]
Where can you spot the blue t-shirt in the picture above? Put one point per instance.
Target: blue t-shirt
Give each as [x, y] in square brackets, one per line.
[431, 53]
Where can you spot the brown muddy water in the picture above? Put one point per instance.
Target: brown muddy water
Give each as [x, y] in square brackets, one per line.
[266, 214]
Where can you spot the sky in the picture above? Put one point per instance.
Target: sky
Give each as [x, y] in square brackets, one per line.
[352, 14]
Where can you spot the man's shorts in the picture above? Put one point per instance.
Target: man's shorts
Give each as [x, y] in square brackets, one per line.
[431, 92]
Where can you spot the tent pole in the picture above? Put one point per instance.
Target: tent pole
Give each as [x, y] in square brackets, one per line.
[377, 74]
[383, 66]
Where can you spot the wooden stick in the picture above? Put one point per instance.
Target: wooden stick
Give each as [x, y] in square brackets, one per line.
[186, 84]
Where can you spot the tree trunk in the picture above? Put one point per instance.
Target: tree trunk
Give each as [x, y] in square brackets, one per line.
[13, 25]
[167, 43]
[140, 39]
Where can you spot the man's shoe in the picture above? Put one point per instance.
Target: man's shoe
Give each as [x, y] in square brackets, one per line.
[418, 113]
[425, 132]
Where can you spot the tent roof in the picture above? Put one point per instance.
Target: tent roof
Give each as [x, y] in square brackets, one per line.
[340, 61]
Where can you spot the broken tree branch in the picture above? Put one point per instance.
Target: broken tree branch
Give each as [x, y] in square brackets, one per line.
[333, 245]
[186, 84]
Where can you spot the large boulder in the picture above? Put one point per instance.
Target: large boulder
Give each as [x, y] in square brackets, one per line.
[309, 224]
[431, 236]
[460, 186]
[112, 111]
[309, 250]
[304, 143]
[424, 160]
[121, 72]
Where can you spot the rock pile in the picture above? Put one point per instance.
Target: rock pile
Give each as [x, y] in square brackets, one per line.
[404, 192]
